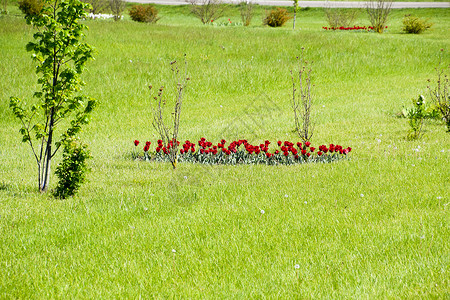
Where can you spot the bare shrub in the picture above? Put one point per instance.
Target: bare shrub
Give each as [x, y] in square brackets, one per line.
[378, 11]
[117, 7]
[247, 11]
[207, 10]
[97, 6]
[340, 17]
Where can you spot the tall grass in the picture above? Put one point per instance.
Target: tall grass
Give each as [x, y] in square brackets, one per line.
[374, 226]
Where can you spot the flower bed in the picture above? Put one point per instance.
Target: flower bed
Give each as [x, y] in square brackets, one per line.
[365, 28]
[242, 152]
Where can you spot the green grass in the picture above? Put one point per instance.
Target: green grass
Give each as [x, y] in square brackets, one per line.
[374, 226]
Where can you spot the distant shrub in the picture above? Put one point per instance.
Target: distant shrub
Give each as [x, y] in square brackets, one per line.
[247, 10]
[276, 17]
[144, 13]
[207, 10]
[97, 6]
[415, 25]
[338, 17]
[31, 7]
[117, 7]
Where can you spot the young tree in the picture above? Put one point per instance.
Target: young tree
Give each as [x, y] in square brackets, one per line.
[167, 127]
[295, 12]
[302, 99]
[60, 58]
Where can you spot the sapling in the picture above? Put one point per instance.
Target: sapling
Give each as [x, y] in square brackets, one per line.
[302, 99]
[439, 93]
[167, 127]
[60, 58]
[295, 12]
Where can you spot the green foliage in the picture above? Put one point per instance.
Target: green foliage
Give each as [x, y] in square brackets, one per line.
[31, 7]
[276, 17]
[60, 58]
[144, 13]
[412, 24]
[71, 172]
[416, 115]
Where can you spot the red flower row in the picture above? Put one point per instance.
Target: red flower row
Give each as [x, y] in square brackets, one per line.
[350, 28]
[286, 148]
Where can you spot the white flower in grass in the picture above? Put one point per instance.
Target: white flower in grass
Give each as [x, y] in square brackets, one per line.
[185, 177]
[362, 195]
[262, 211]
[297, 266]
[306, 202]
[174, 251]
[286, 195]
[145, 208]
[439, 197]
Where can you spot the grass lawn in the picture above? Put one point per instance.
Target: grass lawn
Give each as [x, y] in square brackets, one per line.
[374, 226]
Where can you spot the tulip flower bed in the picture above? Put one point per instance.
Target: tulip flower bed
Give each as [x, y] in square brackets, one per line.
[242, 152]
[365, 28]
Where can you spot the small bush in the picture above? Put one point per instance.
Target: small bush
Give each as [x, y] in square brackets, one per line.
[337, 17]
[72, 170]
[31, 7]
[415, 25]
[144, 13]
[276, 17]
[117, 7]
[207, 10]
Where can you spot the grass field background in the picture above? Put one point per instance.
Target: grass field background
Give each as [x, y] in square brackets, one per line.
[373, 226]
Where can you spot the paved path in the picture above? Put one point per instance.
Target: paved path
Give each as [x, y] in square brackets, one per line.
[337, 4]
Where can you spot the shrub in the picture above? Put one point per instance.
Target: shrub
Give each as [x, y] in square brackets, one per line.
[378, 11]
[31, 7]
[117, 7]
[72, 170]
[144, 13]
[246, 9]
[337, 17]
[415, 25]
[97, 6]
[276, 17]
[207, 10]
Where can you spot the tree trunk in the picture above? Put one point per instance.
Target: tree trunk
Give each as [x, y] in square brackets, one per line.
[295, 15]
[48, 156]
